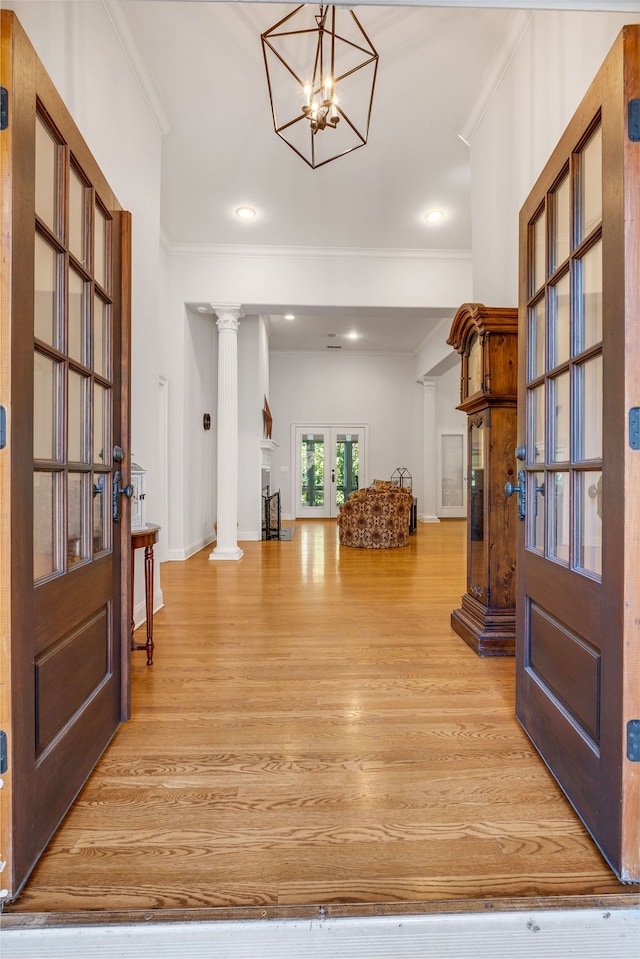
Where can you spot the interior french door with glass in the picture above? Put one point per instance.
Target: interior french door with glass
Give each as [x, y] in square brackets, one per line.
[578, 605]
[329, 467]
[64, 540]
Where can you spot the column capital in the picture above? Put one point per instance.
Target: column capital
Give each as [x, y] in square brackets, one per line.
[428, 383]
[229, 315]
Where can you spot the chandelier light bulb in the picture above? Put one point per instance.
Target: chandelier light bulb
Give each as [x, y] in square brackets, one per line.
[307, 94]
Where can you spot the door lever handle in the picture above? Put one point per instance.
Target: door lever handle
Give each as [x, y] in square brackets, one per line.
[117, 492]
[520, 489]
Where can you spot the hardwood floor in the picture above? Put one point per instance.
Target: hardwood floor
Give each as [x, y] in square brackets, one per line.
[313, 734]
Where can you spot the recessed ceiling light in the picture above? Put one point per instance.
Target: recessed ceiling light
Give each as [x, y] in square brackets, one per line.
[245, 212]
[289, 316]
[353, 335]
[203, 309]
[434, 216]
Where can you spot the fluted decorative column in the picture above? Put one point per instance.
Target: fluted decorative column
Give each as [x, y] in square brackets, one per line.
[430, 495]
[227, 507]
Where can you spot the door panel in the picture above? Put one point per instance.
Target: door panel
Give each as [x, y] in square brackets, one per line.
[65, 323]
[578, 675]
[328, 468]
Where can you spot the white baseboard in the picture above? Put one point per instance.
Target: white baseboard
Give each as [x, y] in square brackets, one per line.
[179, 555]
[532, 934]
[251, 536]
[429, 519]
[140, 612]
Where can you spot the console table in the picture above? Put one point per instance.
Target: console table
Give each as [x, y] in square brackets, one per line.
[146, 537]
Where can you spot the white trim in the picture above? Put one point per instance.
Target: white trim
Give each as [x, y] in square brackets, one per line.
[180, 555]
[163, 461]
[132, 50]
[140, 612]
[249, 536]
[494, 74]
[428, 519]
[588, 933]
[321, 252]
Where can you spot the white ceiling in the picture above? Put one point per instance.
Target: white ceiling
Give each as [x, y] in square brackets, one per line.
[201, 68]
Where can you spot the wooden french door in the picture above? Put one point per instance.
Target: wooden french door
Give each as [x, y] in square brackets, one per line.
[578, 642]
[329, 466]
[64, 625]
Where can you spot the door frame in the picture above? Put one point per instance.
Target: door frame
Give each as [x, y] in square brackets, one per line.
[362, 428]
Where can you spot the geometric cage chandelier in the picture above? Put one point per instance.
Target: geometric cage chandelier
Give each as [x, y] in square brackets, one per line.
[321, 73]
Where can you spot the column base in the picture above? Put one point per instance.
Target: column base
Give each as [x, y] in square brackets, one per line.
[231, 552]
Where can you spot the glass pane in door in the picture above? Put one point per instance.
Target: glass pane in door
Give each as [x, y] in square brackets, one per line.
[561, 223]
[312, 464]
[561, 419]
[76, 324]
[347, 465]
[46, 375]
[589, 545]
[539, 247]
[77, 217]
[100, 247]
[561, 321]
[537, 328]
[47, 176]
[77, 418]
[589, 320]
[589, 396]
[590, 185]
[101, 526]
[536, 511]
[46, 327]
[46, 555]
[76, 517]
[559, 507]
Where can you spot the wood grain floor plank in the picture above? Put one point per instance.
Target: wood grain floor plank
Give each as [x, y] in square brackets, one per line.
[312, 731]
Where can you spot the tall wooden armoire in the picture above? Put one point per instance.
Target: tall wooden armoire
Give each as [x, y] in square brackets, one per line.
[486, 339]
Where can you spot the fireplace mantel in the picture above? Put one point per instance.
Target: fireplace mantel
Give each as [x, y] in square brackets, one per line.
[266, 449]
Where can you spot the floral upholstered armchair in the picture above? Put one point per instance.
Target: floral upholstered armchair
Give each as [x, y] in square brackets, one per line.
[376, 517]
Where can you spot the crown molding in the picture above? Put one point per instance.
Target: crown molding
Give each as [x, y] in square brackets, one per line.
[494, 74]
[115, 11]
[306, 252]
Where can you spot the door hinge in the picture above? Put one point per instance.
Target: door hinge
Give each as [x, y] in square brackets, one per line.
[634, 120]
[634, 427]
[4, 108]
[633, 740]
[4, 758]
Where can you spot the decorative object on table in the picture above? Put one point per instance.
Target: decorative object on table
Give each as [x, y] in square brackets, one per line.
[138, 482]
[402, 477]
[321, 73]
[267, 419]
[487, 339]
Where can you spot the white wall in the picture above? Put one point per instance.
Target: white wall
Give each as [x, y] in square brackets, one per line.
[196, 497]
[251, 396]
[558, 57]
[377, 390]
[100, 91]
